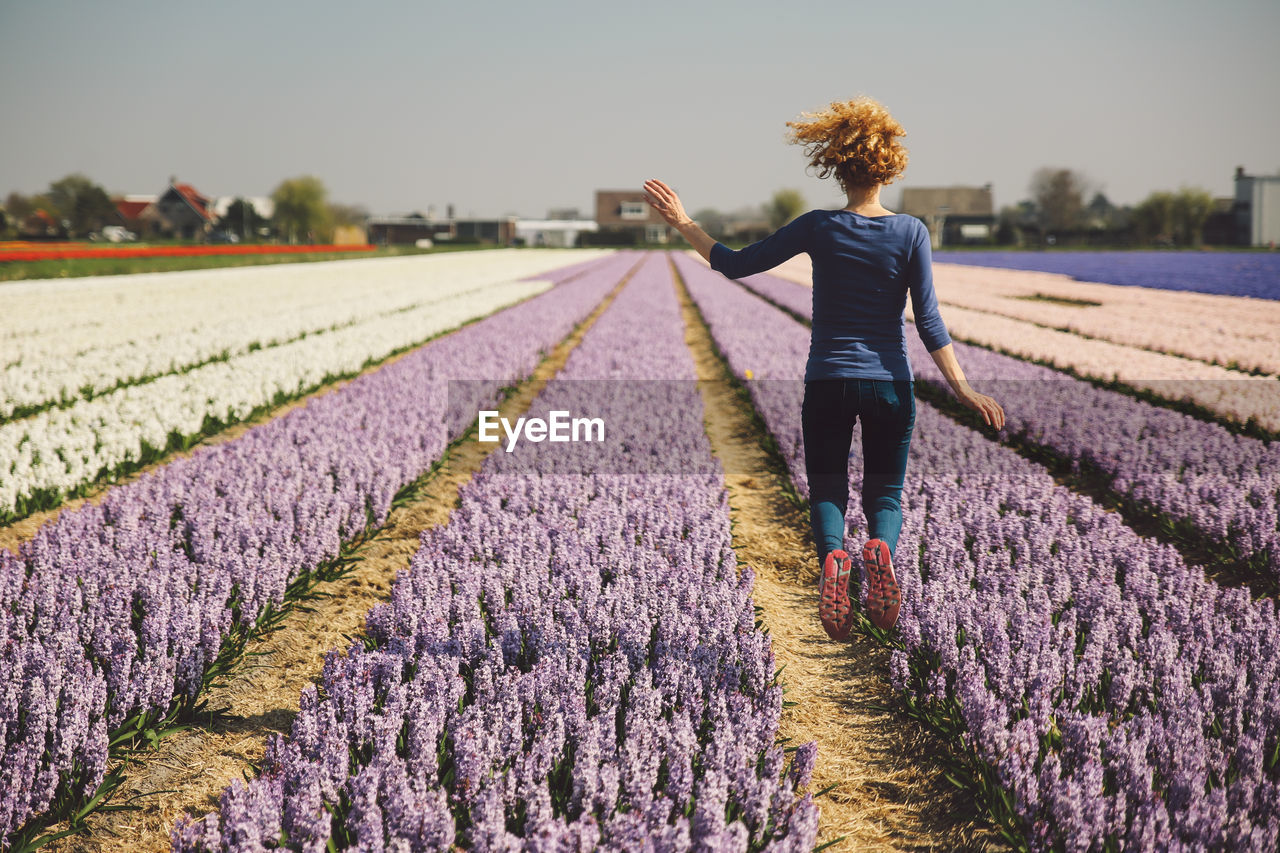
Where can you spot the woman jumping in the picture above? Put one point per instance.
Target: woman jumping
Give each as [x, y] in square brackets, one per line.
[866, 260]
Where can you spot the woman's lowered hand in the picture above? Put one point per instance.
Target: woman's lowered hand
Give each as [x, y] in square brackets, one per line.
[986, 406]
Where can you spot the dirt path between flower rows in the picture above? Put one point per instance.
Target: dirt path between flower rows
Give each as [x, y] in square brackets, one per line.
[889, 791]
[187, 773]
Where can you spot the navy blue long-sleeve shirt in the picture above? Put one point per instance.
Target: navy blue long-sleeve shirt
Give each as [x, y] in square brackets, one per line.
[863, 269]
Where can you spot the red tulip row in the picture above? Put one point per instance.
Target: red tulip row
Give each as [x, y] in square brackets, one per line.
[63, 252]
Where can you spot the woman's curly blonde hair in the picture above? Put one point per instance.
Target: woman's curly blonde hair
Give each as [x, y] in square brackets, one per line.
[856, 140]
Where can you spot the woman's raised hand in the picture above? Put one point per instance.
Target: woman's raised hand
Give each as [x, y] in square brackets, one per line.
[664, 200]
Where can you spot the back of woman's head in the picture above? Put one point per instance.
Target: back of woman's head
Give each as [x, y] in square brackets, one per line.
[857, 141]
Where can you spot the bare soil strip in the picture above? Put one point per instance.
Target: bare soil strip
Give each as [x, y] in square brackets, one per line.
[188, 771]
[889, 792]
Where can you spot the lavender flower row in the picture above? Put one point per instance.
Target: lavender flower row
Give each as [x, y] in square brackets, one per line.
[791, 295]
[117, 609]
[1119, 696]
[570, 664]
[1227, 486]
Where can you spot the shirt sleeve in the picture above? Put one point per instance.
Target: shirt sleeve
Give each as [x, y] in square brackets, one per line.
[787, 242]
[924, 302]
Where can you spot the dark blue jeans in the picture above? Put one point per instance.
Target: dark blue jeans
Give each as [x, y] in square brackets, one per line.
[887, 409]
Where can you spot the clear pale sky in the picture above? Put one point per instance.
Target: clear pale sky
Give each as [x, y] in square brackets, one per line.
[516, 107]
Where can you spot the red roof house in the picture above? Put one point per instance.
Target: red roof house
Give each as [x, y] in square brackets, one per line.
[183, 212]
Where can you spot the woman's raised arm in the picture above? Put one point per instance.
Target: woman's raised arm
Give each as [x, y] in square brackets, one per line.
[664, 200]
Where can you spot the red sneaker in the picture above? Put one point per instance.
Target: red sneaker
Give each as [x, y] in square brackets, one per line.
[883, 596]
[834, 608]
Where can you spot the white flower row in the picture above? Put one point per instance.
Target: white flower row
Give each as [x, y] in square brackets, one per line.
[61, 449]
[1218, 329]
[1232, 320]
[1230, 393]
[61, 339]
[1214, 328]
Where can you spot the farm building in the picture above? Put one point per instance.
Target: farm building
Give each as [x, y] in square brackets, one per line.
[130, 209]
[562, 233]
[623, 216]
[180, 211]
[1257, 209]
[407, 230]
[499, 230]
[954, 215]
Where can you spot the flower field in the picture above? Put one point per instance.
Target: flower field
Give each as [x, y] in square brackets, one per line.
[642, 707]
[1222, 330]
[37, 252]
[1117, 696]
[574, 660]
[124, 395]
[1219, 354]
[96, 646]
[1253, 274]
[1204, 481]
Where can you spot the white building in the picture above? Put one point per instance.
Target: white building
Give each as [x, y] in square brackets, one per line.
[1258, 208]
[560, 233]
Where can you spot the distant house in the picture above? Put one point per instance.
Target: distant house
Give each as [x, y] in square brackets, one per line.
[954, 215]
[624, 216]
[407, 230]
[500, 230]
[183, 212]
[131, 212]
[745, 228]
[1257, 209]
[553, 231]
[39, 225]
[179, 212]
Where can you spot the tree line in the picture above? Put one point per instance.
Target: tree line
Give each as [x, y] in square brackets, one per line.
[1057, 213]
[76, 207]
[1064, 208]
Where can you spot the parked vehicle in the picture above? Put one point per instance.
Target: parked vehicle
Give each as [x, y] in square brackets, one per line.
[118, 234]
